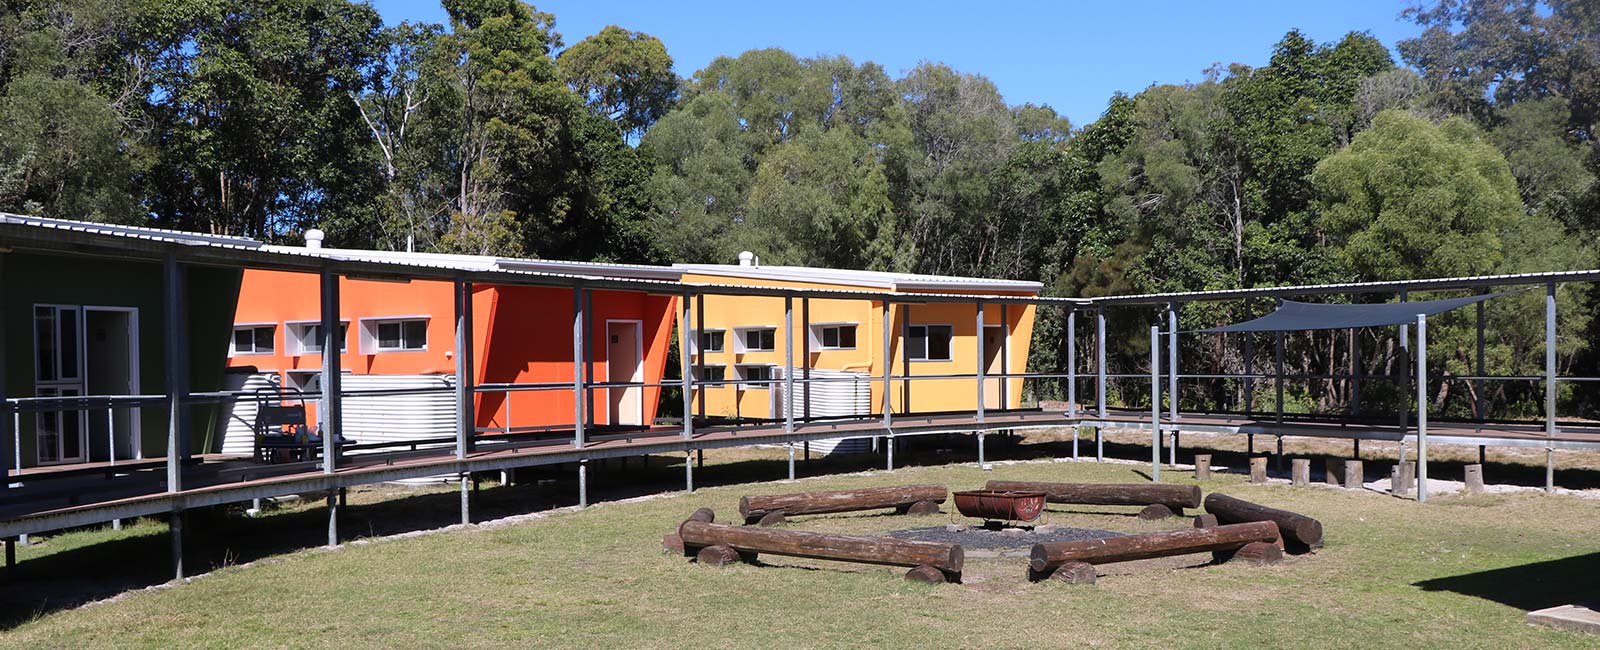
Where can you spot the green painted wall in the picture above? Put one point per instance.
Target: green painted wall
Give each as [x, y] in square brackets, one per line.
[212, 295]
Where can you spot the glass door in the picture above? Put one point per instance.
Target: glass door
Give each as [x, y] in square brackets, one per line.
[58, 372]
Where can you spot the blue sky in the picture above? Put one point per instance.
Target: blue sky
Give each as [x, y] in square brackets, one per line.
[1070, 55]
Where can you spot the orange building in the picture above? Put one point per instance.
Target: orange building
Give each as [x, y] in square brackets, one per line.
[401, 335]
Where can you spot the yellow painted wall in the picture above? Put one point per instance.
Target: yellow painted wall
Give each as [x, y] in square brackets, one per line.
[732, 313]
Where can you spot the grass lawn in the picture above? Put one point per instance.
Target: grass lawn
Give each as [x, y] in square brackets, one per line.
[1456, 572]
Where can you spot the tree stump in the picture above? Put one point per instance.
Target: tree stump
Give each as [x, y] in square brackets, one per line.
[1202, 467]
[703, 514]
[1258, 470]
[1403, 479]
[1155, 511]
[672, 543]
[922, 508]
[926, 574]
[772, 519]
[718, 555]
[1257, 553]
[1075, 573]
[1353, 475]
[1206, 520]
[1474, 478]
[1300, 471]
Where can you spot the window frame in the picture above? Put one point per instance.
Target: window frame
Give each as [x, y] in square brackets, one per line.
[699, 374]
[742, 341]
[297, 336]
[743, 368]
[927, 328]
[371, 338]
[255, 350]
[701, 336]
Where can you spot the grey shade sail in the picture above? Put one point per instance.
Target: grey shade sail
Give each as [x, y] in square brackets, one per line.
[1291, 316]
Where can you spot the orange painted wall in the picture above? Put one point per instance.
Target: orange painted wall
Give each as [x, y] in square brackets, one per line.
[520, 335]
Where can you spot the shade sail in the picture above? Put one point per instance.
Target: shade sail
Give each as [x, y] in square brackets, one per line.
[1291, 316]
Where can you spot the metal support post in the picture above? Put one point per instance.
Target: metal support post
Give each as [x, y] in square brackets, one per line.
[1005, 358]
[788, 364]
[466, 397]
[465, 478]
[981, 460]
[888, 365]
[979, 345]
[889, 463]
[333, 518]
[688, 471]
[1405, 372]
[1072, 369]
[177, 361]
[1172, 363]
[1479, 405]
[583, 483]
[1422, 408]
[700, 328]
[1277, 374]
[1100, 363]
[1155, 403]
[790, 445]
[332, 381]
[805, 356]
[684, 346]
[175, 531]
[578, 409]
[1550, 386]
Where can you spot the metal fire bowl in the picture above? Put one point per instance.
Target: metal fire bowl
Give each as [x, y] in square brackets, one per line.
[1000, 504]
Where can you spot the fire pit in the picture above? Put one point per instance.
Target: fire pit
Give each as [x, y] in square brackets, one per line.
[1001, 504]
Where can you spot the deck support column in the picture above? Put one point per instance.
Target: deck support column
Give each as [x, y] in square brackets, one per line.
[688, 471]
[175, 528]
[465, 480]
[1422, 408]
[583, 483]
[1155, 403]
[1249, 364]
[1277, 375]
[578, 409]
[177, 388]
[684, 346]
[333, 518]
[1172, 363]
[790, 445]
[1550, 386]
[981, 459]
[332, 407]
[889, 463]
[1099, 446]
[1072, 372]
[700, 328]
[1480, 405]
[1405, 374]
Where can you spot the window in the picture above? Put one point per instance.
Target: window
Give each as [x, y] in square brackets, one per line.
[757, 373]
[398, 335]
[254, 339]
[929, 343]
[838, 337]
[711, 374]
[307, 338]
[760, 340]
[711, 340]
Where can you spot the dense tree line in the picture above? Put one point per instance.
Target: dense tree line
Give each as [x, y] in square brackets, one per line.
[1475, 153]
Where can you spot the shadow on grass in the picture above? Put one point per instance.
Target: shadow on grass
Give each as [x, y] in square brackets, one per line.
[1528, 586]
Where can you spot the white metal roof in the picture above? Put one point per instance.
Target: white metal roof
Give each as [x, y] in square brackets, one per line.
[493, 263]
[856, 278]
[136, 232]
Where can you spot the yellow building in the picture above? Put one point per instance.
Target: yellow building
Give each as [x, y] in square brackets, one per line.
[739, 360]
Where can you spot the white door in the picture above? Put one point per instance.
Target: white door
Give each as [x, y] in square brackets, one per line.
[625, 363]
[993, 336]
[60, 436]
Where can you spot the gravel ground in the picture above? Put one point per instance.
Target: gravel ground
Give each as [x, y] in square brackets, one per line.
[984, 538]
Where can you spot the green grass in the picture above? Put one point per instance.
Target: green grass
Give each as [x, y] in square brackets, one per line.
[1456, 572]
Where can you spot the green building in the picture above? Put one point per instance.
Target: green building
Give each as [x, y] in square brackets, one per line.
[95, 324]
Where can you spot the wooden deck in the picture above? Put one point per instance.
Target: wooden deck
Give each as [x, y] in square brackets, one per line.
[62, 497]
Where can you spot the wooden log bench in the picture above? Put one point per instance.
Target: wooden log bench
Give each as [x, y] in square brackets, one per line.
[770, 509]
[673, 544]
[1171, 499]
[1301, 534]
[716, 544]
[1222, 541]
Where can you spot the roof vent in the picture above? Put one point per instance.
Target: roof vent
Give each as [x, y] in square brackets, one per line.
[314, 238]
[747, 258]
